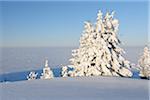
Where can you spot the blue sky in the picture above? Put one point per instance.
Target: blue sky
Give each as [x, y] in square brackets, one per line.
[50, 23]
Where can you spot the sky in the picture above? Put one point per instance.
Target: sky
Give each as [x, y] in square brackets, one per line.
[60, 23]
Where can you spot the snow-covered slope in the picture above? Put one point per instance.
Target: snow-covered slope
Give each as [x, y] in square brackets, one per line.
[79, 88]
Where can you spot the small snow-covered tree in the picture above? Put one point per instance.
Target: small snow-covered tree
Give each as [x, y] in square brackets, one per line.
[99, 52]
[32, 75]
[47, 72]
[144, 63]
[67, 71]
[64, 72]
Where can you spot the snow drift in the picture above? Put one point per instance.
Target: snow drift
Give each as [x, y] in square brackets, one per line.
[79, 88]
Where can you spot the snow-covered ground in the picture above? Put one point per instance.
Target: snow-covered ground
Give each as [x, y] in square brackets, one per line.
[79, 88]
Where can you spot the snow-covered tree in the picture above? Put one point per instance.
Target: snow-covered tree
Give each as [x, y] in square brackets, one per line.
[32, 75]
[64, 72]
[144, 63]
[67, 71]
[99, 52]
[47, 72]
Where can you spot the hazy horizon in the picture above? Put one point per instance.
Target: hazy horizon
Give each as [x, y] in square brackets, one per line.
[23, 59]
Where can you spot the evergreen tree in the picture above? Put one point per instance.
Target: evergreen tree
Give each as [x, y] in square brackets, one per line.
[99, 52]
[144, 63]
[47, 72]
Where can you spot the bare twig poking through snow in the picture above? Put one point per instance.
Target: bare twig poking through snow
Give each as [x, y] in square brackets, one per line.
[47, 72]
[99, 53]
[32, 76]
[144, 63]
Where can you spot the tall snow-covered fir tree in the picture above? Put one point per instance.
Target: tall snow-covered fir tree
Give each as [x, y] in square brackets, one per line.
[144, 63]
[99, 52]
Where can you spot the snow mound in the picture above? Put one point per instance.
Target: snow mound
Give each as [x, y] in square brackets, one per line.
[78, 88]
